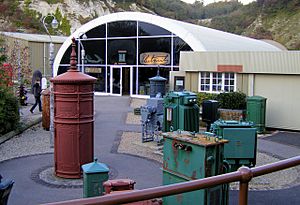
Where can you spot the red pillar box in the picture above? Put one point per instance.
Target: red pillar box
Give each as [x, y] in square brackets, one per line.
[73, 120]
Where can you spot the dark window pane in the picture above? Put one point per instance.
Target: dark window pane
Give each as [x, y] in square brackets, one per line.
[122, 29]
[175, 68]
[146, 29]
[134, 81]
[179, 45]
[97, 32]
[66, 58]
[115, 46]
[148, 72]
[94, 52]
[155, 45]
[62, 69]
[99, 73]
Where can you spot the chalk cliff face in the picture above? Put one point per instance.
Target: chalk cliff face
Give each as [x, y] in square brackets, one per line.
[79, 12]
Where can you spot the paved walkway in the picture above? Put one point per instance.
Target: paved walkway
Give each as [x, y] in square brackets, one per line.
[109, 124]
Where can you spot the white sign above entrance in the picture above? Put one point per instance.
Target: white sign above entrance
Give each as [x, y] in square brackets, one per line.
[155, 58]
[93, 70]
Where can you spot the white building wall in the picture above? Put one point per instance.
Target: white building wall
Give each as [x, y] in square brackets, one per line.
[283, 99]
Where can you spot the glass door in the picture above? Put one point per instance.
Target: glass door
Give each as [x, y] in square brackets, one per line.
[116, 80]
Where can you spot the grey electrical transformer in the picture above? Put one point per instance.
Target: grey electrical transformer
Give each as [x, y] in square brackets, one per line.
[152, 113]
[152, 119]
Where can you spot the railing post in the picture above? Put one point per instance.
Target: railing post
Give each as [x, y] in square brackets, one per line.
[244, 182]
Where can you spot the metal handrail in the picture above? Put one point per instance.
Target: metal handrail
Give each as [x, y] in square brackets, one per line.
[243, 175]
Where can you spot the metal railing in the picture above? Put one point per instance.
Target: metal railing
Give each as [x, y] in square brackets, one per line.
[243, 175]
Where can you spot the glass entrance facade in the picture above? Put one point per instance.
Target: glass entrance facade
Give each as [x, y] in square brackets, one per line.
[131, 49]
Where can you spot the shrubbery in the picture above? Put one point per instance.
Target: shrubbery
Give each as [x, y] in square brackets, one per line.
[230, 100]
[9, 111]
[205, 96]
[9, 107]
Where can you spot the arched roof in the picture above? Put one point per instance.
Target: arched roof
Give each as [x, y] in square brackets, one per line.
[199, 38]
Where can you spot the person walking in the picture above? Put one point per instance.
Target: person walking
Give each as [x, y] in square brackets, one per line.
[37, 95]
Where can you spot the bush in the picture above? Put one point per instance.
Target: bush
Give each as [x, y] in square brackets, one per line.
[205, 96]
[232, 100]
[9, 107]
[9, 111]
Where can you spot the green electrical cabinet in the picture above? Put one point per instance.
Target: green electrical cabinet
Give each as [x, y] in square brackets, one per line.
[242, 145]
[256, 112]
[189, 157]
[94, 174]
[181, 112]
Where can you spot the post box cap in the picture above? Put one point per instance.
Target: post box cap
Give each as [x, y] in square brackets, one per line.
[95, 167]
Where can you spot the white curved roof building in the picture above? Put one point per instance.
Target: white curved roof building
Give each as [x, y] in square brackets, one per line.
[199, 38]
[127, 47]
[123, 50]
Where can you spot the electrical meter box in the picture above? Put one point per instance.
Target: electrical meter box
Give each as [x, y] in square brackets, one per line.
[189, 157]
[181, 112]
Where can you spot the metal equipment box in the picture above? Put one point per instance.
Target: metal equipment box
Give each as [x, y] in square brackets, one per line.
[256, 112]
[94, 174]
[189, 157]
[181, 112]
[152, 119]
[242, 145]
[210, 111]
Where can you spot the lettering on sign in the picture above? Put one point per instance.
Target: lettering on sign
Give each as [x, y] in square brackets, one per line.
[179, 82]
[93, 70]
[155, 58]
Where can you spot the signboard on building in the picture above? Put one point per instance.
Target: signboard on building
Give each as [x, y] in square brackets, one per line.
[93, 70]
[155, 58]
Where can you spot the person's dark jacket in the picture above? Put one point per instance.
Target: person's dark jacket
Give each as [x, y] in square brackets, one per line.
[36, 90]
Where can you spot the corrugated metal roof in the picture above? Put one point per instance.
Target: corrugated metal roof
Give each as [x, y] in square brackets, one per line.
[35, 37]
[284, 62]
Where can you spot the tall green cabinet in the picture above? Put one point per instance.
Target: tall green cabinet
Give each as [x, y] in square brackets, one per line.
[256, 112]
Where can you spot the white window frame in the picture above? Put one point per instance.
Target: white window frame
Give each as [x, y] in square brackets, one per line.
[211, 82]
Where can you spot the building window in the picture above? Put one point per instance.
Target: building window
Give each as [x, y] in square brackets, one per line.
[229, 82]
[121, 29]
[146, 29]
[217, 82]
[205, 81]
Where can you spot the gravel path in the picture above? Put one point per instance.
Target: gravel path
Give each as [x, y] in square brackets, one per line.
[131, 143]
[35, 140]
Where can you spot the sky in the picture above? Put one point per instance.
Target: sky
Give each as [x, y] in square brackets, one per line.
[211, 1]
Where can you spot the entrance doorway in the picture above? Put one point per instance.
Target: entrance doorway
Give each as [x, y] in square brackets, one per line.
[120, 80]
